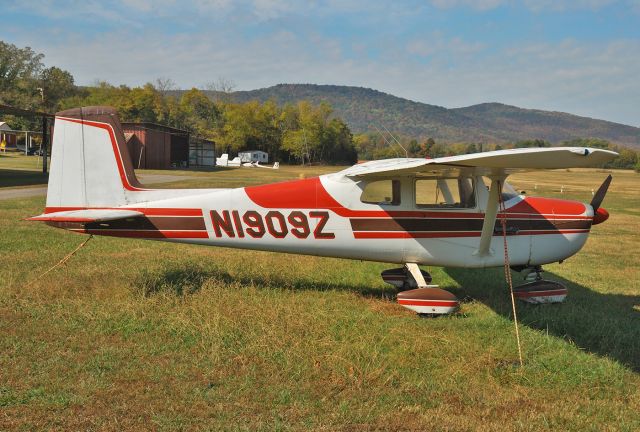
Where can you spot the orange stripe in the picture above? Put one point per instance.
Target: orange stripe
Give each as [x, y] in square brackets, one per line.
[405, 234]
[146, 211]
[428, 302]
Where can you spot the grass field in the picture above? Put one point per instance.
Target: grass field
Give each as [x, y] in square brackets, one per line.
[135, 335]
[16, 169]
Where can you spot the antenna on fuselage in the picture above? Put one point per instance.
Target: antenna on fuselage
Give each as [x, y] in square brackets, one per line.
[386, 141]
[406, 153]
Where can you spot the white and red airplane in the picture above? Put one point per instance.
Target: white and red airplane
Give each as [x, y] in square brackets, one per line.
[439, 212]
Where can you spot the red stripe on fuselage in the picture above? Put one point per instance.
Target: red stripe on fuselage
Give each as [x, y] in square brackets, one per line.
[547, 206]
[405, 234]
[296, 194]
[311, 194]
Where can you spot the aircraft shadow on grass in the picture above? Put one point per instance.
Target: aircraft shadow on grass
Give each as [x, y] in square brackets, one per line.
[603, 324]
[13, 177]
[189, 280]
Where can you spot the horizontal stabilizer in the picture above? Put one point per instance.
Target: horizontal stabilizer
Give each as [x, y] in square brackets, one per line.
[89, 215]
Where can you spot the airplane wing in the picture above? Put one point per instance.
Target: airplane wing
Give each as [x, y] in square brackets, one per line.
[499, 161]
[495, 164]
[86, 216]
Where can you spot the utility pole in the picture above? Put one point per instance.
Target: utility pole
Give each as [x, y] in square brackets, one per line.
[45, 135]
[45, 139]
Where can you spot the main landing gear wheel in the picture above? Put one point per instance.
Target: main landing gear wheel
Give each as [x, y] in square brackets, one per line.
[539, 291]
[429, 301]
[416, 293]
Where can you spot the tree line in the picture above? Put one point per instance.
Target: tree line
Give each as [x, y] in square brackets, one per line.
[382, 145]
[300, 132]
[294, 132]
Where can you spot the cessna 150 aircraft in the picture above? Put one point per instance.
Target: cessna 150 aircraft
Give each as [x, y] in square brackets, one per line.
[439, 212]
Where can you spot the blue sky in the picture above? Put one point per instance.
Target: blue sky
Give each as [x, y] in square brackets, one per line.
[580, 56]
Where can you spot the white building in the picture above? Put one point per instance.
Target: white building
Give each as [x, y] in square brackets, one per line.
[254, 156]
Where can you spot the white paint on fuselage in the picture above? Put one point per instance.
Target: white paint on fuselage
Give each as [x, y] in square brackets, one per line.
[451, 251]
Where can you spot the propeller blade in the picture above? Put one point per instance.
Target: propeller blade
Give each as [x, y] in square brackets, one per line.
[599, 195]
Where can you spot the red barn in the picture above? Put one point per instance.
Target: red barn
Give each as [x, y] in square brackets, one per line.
[153, 146]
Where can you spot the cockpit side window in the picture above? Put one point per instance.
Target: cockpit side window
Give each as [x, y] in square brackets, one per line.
[456, 192]
[382, 192]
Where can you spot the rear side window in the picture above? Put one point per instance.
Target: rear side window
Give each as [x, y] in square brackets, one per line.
[445, 193]
[381, 192]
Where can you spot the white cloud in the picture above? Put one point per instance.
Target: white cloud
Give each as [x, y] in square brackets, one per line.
[597, 79]
[594, 79]
[564, 5]
[535, 5]
[438, 43]
[481, 5]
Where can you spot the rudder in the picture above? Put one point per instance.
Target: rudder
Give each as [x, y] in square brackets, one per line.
[90, 162]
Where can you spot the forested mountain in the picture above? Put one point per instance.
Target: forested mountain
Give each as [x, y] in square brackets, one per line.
[311, 123]
[365, 109]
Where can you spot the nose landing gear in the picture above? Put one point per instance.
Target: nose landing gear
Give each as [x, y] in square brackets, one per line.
[538, 290]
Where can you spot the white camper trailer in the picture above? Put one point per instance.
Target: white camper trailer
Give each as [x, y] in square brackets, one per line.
[251, 156]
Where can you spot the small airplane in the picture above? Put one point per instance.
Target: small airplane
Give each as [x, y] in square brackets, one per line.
[235, 162]
[224, 161]
[256, 164]
[453, 211]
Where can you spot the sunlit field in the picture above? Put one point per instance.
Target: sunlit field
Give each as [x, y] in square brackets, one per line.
[138, 335]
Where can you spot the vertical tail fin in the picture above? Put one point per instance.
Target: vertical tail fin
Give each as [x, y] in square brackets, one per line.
[90, 162]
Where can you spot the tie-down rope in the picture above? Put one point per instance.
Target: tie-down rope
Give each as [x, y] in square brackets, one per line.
[63, 260]
[507, 269]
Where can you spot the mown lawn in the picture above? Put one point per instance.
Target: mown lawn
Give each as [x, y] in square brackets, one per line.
[134, 335]
[16, 169]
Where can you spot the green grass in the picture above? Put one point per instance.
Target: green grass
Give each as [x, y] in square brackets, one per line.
[224, 177]
[132, 335]
[19, 161]
[16, 169]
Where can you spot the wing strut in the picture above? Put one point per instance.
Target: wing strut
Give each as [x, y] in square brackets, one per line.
[490, 214]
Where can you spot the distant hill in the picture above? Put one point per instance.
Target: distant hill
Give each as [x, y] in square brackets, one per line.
[365, 109]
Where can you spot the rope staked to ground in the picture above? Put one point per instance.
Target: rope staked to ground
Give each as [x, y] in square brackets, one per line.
[63, 260]
[507, 273]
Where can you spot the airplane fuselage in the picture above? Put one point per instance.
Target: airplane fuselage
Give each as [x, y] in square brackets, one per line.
[325, 216]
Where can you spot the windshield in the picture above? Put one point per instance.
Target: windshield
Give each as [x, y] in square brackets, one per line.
[508, 191]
